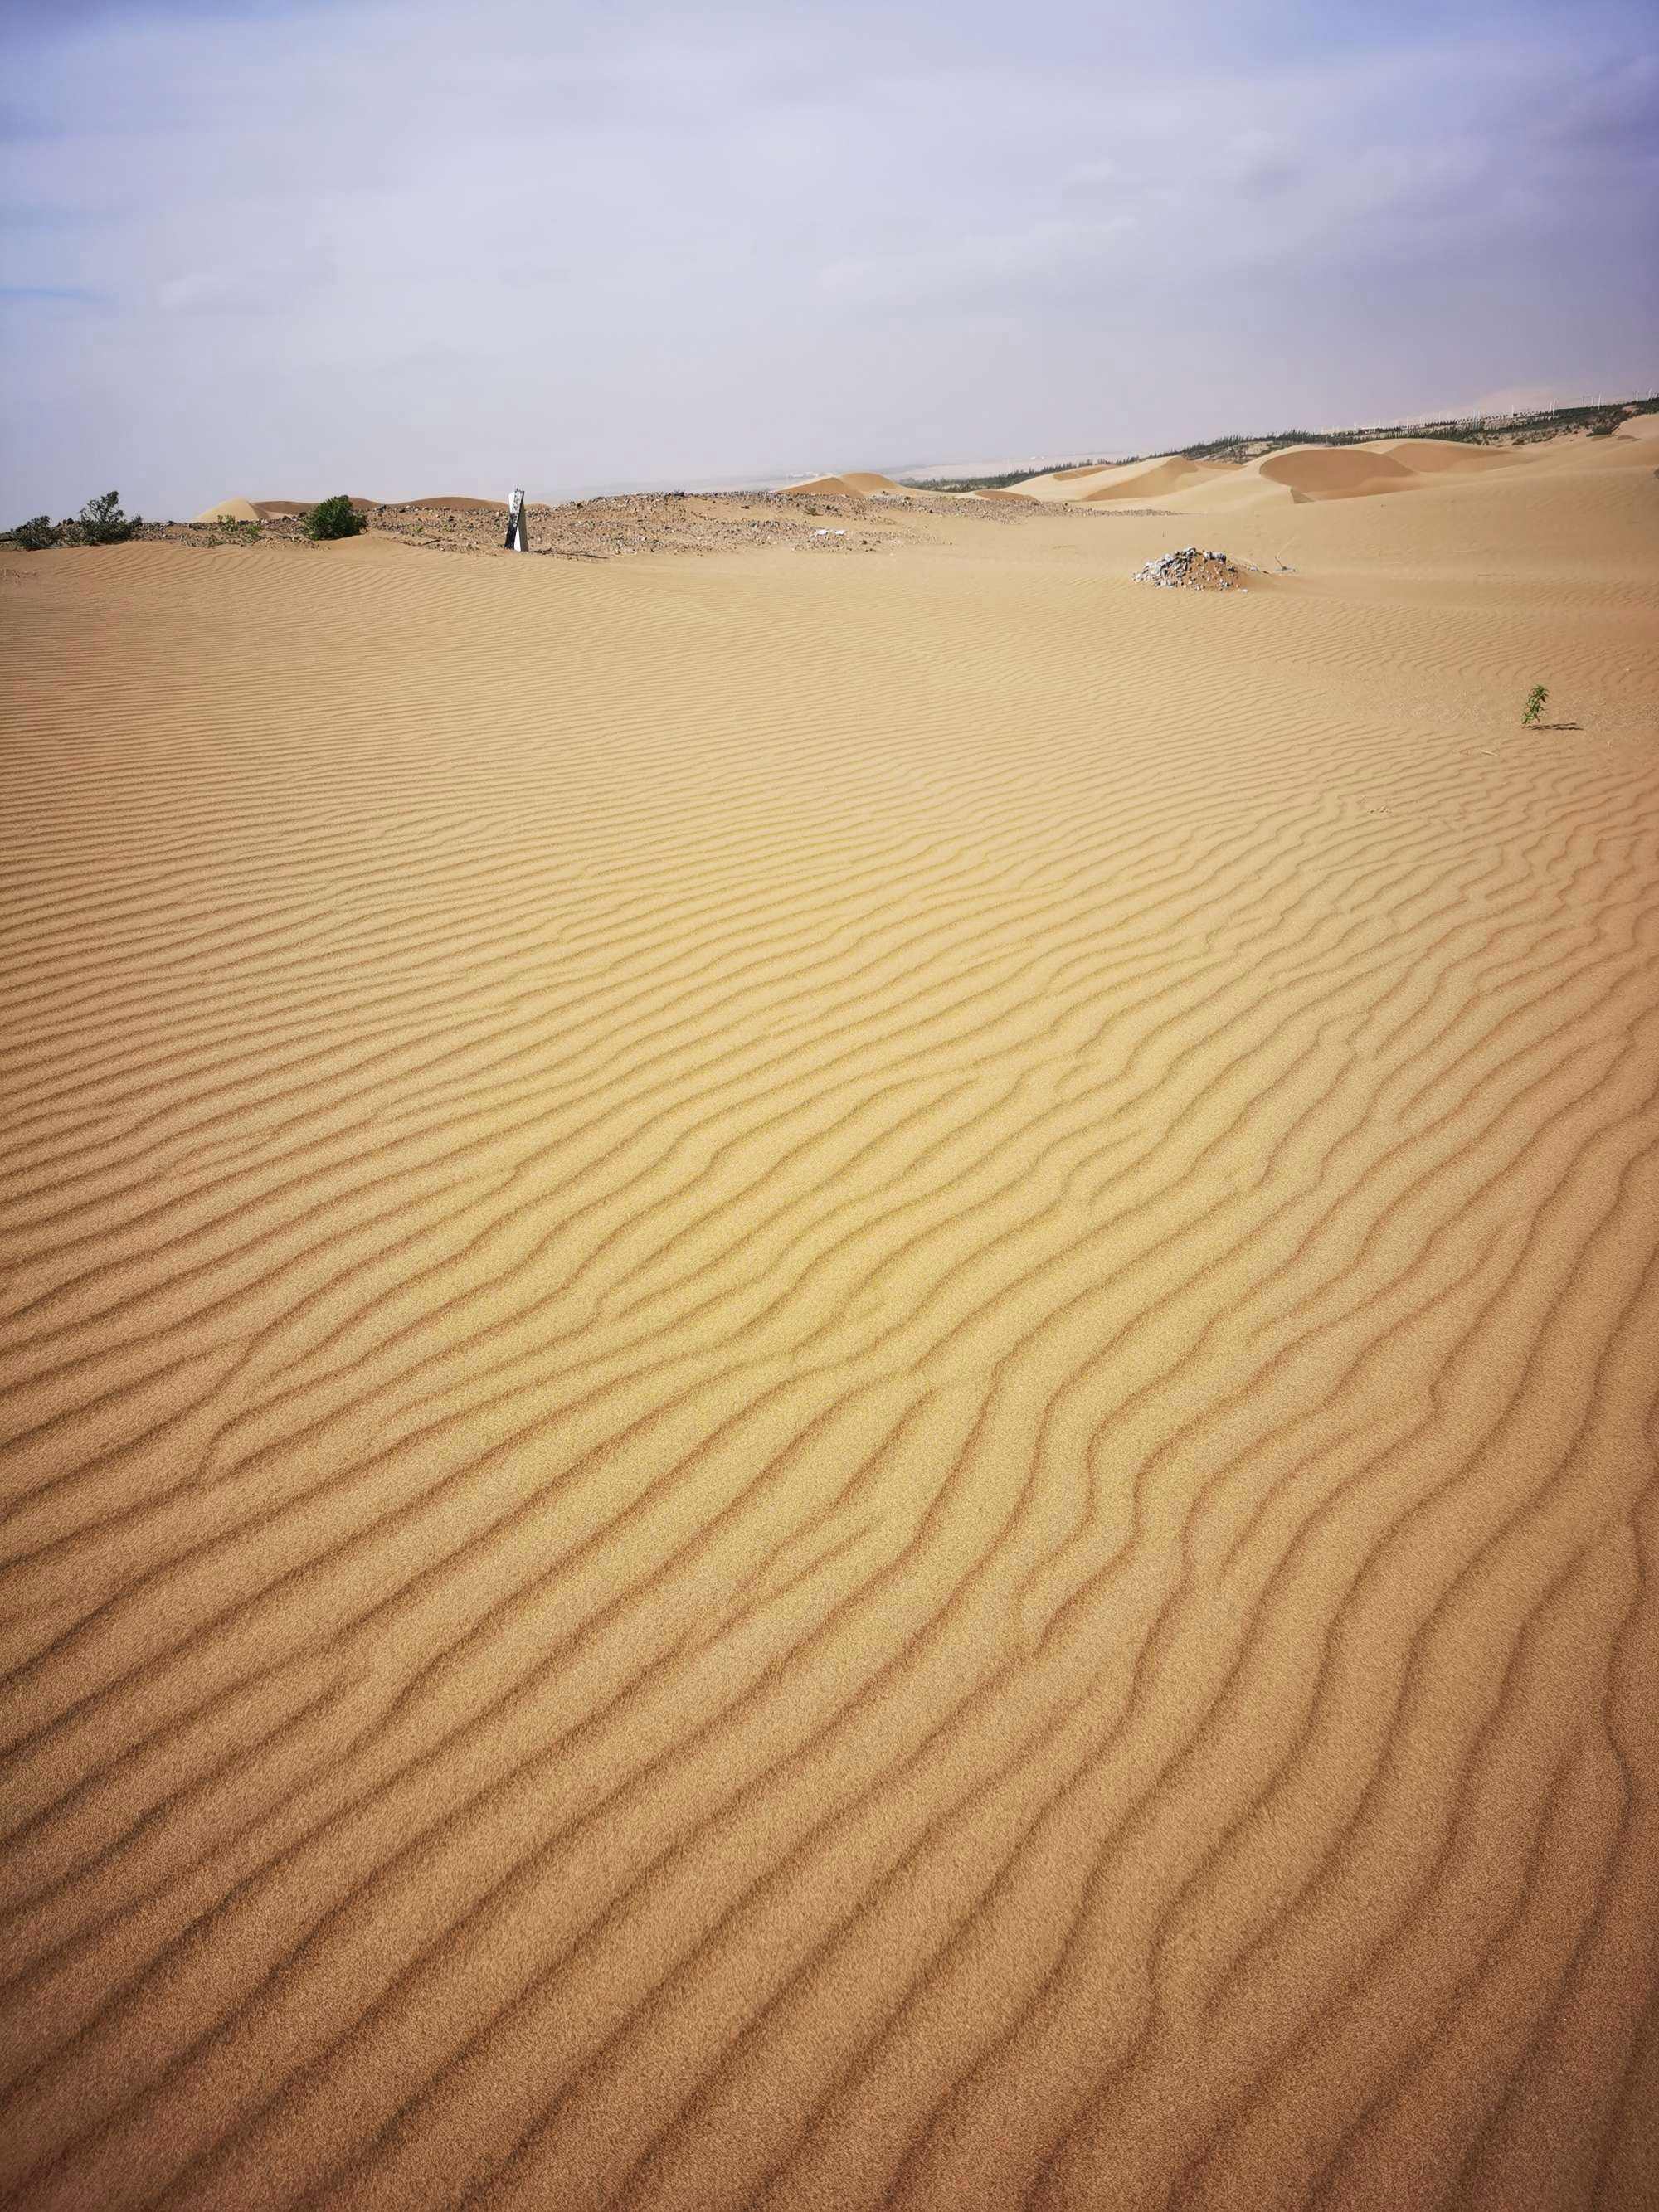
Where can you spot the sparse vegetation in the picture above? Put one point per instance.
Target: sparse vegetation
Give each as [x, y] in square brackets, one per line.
[333, 517]
[35, 534]
[100, 521]
[999, 483]
[1535, 700]
[1599, 417]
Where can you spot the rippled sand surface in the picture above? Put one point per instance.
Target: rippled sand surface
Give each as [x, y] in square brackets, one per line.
[831, 1382]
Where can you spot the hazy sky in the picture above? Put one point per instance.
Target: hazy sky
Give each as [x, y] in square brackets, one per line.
[281, 247]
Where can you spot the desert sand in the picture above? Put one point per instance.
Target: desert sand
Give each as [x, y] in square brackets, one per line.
[1126, 480]
[832, 1383]
[856, 484]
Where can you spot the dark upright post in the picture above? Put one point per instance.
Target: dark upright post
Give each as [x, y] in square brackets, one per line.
[518, 537]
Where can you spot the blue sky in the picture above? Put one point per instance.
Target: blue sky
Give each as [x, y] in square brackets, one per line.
[281, 249]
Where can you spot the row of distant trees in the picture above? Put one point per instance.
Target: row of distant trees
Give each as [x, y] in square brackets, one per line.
[101, 522]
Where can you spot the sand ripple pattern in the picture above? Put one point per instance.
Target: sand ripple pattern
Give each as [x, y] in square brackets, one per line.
[821, 1395]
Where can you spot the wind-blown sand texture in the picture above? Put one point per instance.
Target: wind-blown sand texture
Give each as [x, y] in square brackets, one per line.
[832, 1383]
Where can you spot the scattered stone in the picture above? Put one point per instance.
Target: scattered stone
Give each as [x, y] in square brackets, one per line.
[1197, 568]
[616, 527]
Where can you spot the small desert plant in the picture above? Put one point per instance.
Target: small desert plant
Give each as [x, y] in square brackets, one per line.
[1535, 699]
[100, 521]
[36, 534]
[333, 517]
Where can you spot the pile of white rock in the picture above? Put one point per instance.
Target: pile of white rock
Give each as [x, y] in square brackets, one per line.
[1196, 568]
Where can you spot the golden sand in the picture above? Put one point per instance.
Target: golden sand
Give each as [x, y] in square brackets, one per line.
[832, 1383]
[856, 484]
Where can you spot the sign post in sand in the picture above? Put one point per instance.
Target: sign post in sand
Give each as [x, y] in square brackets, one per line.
[518, 537]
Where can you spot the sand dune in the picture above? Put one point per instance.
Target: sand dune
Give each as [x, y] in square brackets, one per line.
[1336, 471]
[1075, 484]
[1447, 456]
[1246, 488]
[855, 483]
[1132, 482]
[1175, 474]
[1304, 472]
[830, 1382]
[824, 487]
[262, 510]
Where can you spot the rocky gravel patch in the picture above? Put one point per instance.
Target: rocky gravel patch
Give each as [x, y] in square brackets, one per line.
[1195, 569]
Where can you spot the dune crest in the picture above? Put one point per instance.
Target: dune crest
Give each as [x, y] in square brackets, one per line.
[1175, 474]
[850, 484]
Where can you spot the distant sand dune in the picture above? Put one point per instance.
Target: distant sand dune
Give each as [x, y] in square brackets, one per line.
[261, 510]
[1438, 456]
[1305, 472]
[855, 483]
[1336, 471]
[1172, 475]
[1132, 482]
[831, 1384]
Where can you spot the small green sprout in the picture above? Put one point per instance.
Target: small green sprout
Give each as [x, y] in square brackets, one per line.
[1535, 699]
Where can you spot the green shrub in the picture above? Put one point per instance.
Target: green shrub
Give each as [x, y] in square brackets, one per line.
[101, 522]
[36, 534]
[333, 517]
[1535, 699]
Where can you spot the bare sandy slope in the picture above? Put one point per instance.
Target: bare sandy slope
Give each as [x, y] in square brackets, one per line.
[832, 1383]
[1127, 480]
[857, 484]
